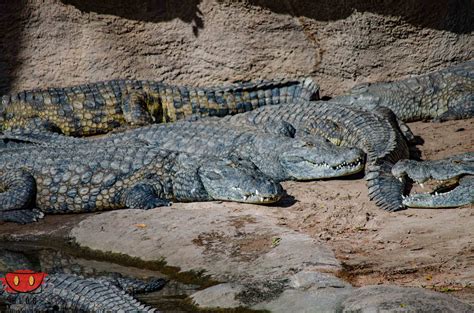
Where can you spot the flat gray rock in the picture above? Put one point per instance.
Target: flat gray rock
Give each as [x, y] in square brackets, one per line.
[306, 279]
[394, 299]
[218, 296]
[243, 246]
[320, 300]
[303, 292]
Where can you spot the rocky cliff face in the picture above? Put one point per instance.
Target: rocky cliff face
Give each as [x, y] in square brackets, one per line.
[339, 43]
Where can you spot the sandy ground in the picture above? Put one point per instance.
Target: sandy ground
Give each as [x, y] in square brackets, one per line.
[416, 247]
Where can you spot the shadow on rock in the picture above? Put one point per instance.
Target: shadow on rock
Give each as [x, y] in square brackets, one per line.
[452, 15]
[10, 42]
[147, 11]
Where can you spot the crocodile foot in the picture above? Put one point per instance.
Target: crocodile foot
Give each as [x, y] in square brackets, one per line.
[21, 216]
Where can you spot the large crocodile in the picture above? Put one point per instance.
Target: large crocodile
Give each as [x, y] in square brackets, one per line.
[440, 95]
[62, 292]
[84, 178]
[279, 157]
[101, 107]
[375, 131]
[455, 170]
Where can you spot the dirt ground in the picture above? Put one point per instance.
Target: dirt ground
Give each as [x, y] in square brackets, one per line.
[416, 247]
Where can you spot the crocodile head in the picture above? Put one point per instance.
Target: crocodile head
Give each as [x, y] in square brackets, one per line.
[454, 179]
[238, 180]
[231, 179]
[297, 159]
[460, 105]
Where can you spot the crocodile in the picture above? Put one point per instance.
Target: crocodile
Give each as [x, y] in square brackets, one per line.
[101, 107]
[35, 180]
[376, 132]
[74, 293]
[456, 171]
[441, 95]
[277, 156]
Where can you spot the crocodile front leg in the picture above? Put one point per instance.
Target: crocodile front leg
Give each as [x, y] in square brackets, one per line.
[21, 216]
[17, 197]
[143, 195]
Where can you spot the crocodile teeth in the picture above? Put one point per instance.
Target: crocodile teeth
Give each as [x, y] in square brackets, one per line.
[422, 186]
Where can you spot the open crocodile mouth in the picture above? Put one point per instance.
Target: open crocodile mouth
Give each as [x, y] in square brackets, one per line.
[441, 191]
[438, 186]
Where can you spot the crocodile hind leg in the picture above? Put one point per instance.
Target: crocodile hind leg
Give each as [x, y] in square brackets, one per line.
[17, 197]
[143, 195]
[135, 111]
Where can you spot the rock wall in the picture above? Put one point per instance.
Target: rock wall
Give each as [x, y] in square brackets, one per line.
[339, 43]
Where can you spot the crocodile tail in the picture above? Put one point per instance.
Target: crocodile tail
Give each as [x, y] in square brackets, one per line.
[310, 90]
[299, 89]
[384, 188]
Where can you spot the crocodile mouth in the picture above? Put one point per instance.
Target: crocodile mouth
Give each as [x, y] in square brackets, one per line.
[352, 167]
[441, 192]
[304, 169]
[259, 199]
[236, 194]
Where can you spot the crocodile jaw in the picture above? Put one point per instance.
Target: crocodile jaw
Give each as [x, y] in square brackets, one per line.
[454, 198]
[303, 169]
[459, 196]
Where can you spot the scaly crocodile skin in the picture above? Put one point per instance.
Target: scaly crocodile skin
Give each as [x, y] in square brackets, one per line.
[279, 157]
[442, 95]
[101, 107]
[110, 292]
[83, 178]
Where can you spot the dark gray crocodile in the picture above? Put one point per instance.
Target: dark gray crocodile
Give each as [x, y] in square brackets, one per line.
[455, 170]
[376, 132]
[101, 107]
[73, 293]
[279, 157]
[442, 95]
[84, 178]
